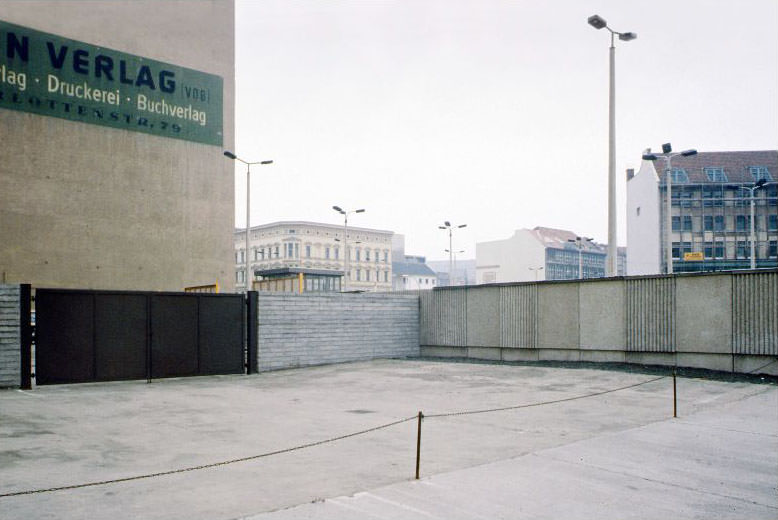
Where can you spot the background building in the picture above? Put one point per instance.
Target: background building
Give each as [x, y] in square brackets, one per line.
[310, 245]
[127, 188]
[541, 254]
[409, 272]
[710, 212]
[464, 271]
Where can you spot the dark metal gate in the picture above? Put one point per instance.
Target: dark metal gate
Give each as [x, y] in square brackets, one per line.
[84, 336]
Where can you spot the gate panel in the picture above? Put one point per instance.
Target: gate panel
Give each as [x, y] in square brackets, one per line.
[121, 332]
[221, 335]
[64, 337]
[174, 335]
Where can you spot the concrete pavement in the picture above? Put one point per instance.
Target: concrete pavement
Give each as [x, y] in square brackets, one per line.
[62, 435]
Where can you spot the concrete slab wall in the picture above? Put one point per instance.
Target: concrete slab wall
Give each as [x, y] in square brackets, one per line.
[315, 329]
[10, 336]
[718, 321]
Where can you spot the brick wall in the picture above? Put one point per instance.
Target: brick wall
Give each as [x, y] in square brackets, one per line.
[314, 329]
[10, 336]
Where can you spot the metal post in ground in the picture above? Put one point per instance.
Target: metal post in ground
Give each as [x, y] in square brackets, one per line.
[675, 401]
[418, 445]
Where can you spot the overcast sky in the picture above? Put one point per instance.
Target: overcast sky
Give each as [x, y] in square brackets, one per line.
[487, 113]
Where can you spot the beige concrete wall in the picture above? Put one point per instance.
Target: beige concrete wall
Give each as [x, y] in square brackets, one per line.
[88, 206]
[602, 307]
[558, 316]
[703, 314]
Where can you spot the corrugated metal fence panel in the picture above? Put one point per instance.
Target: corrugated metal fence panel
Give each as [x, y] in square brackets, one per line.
[651, 315]
[755, 313]
[519, 316]
[444, 317]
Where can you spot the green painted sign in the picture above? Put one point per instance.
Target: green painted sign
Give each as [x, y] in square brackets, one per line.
[53, 76]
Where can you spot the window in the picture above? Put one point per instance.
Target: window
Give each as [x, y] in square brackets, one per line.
[367, 275]
[772, 249]
[712, 196]
[307, 251]
[743, 249]
[687, 223]
[676, 250]
[638, 211]
[676, 223]
[772, 223]
[760, 172]
[386, 276]
[742, 222]
[386, 257]
[276, 252]
[707, 223]
[289, 253]
[337, 253]
[358, 255]
[359, 275]
[367, 255]
[716, 174]
[327, 253]
[377, 252]
[679, 176]
[718, 223]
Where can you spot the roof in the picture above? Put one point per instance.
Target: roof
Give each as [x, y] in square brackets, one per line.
[735, 164]
[411, 269]
[561, 239]
[292, 223]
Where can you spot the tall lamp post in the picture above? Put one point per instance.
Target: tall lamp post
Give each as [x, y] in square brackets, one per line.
[537, 271]
[234, 157]
[447, 225]
[598, 22]
[451, 276]
[579, 241]
[346, 254]
[758, 185]
[668, 154]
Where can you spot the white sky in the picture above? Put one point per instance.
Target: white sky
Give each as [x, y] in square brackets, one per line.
[485, 112]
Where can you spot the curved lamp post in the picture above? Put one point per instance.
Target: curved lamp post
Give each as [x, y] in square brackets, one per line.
[447, 225]
[234, 157]
[346, 253]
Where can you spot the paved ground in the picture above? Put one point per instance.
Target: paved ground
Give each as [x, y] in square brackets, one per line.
[617, 455]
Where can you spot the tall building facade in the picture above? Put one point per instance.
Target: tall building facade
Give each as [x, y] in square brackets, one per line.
[321, 247]
[711, 201]
[113, 117]
[542, 254]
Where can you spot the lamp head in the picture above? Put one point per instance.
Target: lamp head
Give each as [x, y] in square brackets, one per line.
[337, 208]
[627, 36]
[462, 225]
[229, 154]
[760, 183]
[266, 162]
[447, 223]
[650, 157]
[667, 148]
[689, 153]
[597, 21]
[360, 211]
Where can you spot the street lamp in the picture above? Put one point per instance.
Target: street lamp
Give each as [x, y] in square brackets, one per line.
[758, 185]
[346, 254]
[537, 270]
[598, 22]
[234, 157]
[451, 275]
[447, 225]
[667, 154]
[579, 241]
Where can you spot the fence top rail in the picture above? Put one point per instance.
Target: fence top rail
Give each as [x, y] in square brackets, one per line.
[737, 272]
[114, 292]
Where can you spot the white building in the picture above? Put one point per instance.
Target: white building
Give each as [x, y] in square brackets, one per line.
[541, 254]
[312, 245]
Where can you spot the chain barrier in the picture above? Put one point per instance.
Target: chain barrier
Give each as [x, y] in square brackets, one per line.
[206, 466]
[516, 407]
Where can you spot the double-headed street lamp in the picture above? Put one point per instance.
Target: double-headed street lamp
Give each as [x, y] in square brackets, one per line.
[668, 154]
[346, 253]
[234, 157]
[451, 275]
[579, 242]
[758, 185]
[598, 22]
[450, 227]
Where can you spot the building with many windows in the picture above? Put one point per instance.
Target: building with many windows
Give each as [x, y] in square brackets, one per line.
[542, 254]
[315, 246]
[711, 212]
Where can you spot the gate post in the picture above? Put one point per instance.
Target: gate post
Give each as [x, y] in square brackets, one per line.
[25, 330]
[252, 310]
